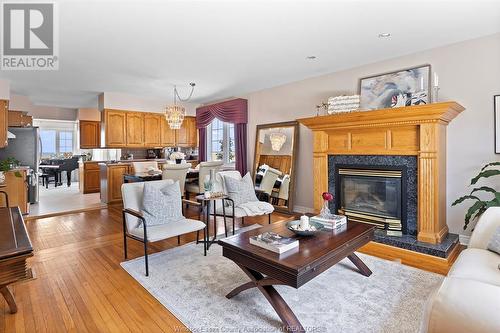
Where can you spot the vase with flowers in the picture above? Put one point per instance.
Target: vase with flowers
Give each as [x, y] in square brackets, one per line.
[325, 210]
[177, 156]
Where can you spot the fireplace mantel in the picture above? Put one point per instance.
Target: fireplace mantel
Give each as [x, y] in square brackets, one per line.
[414, 130]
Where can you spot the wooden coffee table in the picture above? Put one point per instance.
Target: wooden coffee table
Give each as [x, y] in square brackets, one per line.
[296, 267]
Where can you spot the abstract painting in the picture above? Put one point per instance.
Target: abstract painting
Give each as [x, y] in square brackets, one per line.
[396, 89]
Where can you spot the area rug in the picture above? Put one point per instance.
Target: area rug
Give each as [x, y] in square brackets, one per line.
[193, 288]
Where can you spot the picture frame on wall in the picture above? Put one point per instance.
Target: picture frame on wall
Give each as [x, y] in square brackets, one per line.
[405, 87]
[496, 114]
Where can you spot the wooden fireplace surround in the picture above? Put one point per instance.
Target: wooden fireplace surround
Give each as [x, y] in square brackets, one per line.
[411, 131]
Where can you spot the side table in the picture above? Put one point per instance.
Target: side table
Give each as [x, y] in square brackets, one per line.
[206, 205]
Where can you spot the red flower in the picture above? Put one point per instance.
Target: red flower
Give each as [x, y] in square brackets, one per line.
[327, 196]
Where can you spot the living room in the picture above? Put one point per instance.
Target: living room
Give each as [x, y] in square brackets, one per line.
[361, 137]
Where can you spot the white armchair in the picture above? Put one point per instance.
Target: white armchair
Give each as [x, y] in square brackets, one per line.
[263, 208]
[468, 301]
[134, 224]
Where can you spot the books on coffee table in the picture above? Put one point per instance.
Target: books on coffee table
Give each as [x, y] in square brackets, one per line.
[332, 222]
[274, 242]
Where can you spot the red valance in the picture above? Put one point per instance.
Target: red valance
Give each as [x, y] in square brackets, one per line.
[233, 111]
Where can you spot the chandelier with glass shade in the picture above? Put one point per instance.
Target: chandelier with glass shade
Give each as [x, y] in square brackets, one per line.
[278, 139]
[175, 113]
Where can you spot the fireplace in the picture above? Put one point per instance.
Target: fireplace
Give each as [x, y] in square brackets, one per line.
[373, 195]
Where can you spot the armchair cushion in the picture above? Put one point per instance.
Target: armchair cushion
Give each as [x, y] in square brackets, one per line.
[253, 208]
[485, 228]
[167, 230]
[240, 191]
[477, 264]
[161, 205]
[494, 244]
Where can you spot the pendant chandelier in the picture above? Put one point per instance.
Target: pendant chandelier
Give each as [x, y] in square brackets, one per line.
[277, 140]
[175, 113]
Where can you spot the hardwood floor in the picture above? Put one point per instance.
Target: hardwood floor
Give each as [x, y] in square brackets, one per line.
[80, 286]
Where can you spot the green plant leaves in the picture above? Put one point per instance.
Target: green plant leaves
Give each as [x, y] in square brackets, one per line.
[490, 164]
[465, 197]
[484, 174]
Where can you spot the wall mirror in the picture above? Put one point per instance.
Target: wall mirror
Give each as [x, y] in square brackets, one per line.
[274, 163]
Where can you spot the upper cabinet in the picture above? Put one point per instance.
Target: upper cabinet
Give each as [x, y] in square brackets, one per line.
[145, 129]
[20, 119]
[135, 129]
[90, 134]
[4, 122]
[152, 129]
[186, 136]
[115, 131]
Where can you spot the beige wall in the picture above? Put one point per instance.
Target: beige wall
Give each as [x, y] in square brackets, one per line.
[23, 103]
[120, 101]
[89, 114]
[4, 90]
[469, 73]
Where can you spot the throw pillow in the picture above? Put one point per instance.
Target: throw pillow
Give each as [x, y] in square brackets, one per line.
[240, 190]
[161, 204]
[494, 244]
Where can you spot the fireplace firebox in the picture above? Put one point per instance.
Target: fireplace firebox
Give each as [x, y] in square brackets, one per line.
[373, 195]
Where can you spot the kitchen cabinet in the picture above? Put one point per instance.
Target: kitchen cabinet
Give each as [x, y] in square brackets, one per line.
[90, 134]
[135, 129]
[20, 119]
[111, 177]
[187, 135]
[167, 134]
[17, 190]
[115, 133]
[146, 130]
[4, 122]
[152, 129]
[89, 177]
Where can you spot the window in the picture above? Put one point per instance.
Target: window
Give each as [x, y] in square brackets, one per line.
[55, 142]
[220, 142]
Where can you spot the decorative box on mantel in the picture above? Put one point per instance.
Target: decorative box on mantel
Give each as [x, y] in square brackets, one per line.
[418, 131]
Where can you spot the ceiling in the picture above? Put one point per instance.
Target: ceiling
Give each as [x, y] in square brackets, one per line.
[231, 48]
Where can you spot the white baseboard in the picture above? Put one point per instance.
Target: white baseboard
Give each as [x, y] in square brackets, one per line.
[464, 239]
[303, 209]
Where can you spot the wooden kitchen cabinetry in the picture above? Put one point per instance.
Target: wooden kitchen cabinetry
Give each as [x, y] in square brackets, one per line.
[114, 128]
[90, 181]
[4, 122]
[90, 134]
[17, 190]
[187, 135]
[145, 129]
[111, 176]
[20, 119]
[152, 129]
[135, 129]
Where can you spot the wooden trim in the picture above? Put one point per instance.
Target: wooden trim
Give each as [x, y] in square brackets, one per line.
[411, 258]
[408, 131]
[67, 212]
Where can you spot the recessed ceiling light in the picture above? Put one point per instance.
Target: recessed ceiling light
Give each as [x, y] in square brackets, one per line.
[384, 35]
[311, 57]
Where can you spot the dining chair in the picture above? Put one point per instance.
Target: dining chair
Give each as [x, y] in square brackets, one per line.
[141, 167]
[135, 226]
[284, 190]
[268, 181]
[176, 172]
[198, 187]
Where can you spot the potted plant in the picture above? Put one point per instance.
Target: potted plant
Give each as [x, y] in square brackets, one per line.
[480, 206]
[177, 156]
[7, 165]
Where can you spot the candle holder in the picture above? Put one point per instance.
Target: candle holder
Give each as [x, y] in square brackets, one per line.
[435, 94]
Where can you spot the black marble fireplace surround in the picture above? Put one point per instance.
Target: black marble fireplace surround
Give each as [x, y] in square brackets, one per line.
[409, 165]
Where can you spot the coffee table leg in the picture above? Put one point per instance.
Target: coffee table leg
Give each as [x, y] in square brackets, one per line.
[9, 298]
[363, 269]
[264, 284]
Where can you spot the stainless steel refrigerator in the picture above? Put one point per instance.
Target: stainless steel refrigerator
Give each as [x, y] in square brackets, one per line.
[26, 148]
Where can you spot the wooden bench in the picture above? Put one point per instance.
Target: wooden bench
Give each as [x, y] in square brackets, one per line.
[15, 248]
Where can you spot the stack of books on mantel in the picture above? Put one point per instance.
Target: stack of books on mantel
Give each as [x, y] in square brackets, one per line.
[274, 242]
[331, 222]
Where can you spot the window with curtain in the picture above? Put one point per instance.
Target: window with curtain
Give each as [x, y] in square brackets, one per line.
[220, 142]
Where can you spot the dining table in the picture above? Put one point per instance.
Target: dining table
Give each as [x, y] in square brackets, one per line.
[146, 176]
